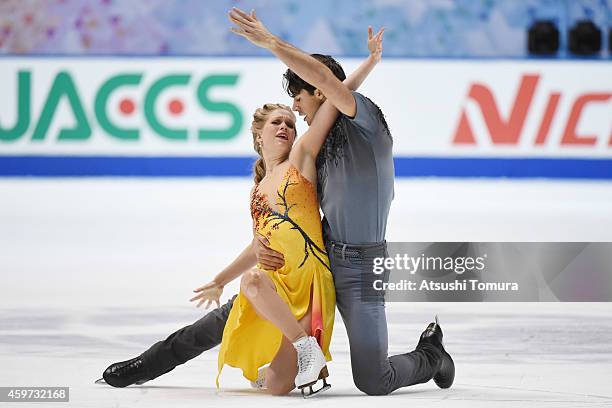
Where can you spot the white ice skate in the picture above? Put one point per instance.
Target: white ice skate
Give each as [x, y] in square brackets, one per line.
[260, 382]
[311, 366]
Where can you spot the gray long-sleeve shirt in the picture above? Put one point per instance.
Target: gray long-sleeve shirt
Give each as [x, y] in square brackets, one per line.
[357, 190]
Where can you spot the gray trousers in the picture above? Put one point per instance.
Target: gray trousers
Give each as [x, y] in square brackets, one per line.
[374, 373]
[363, 313]
[187, 343]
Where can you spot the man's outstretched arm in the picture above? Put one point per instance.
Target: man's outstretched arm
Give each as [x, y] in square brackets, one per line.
[305, 66]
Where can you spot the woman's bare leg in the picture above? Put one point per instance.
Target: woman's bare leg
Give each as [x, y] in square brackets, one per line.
[280, 375]
[261, 292]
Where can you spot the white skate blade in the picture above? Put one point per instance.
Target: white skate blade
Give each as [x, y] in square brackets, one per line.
[311, 393]
[303, 381]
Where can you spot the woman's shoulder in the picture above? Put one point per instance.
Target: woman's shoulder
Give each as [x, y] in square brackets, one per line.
[305, 167]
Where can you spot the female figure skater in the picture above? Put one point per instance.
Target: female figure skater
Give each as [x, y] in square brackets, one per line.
[285, 317]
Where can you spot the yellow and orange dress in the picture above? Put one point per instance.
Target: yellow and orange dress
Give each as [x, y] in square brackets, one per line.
[293, 228]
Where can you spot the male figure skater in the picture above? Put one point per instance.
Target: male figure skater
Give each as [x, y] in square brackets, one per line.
[355, 187]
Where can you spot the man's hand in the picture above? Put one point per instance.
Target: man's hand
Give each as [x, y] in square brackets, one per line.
[211, 292]
[267, 257]
[249, 27]
[375, 43]
[304, 65]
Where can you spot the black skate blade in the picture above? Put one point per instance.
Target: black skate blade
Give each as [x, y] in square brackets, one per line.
[101, 381]
[432, 327]
[313, 393]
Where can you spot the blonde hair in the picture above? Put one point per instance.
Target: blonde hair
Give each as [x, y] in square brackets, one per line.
[259, 120]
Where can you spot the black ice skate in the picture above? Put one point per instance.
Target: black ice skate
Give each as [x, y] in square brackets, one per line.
[125, 373]
[445, 375]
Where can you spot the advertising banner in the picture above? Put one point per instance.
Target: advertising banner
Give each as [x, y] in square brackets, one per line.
[191, 116]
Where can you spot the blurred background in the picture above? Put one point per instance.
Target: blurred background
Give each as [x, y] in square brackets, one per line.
[125, 156]
[416, 28]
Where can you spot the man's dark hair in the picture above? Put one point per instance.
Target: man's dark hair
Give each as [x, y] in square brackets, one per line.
[333, 147]
[293, 84]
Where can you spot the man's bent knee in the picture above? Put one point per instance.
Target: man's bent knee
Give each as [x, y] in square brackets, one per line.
[372, 386]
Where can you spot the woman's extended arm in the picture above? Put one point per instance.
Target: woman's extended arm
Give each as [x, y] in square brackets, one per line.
[356, 78]
[245, 261]
[311, 142]
[211, 292]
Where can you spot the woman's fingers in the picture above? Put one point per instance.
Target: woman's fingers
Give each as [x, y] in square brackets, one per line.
[209, 293]
[196, 297]
[369, 32]
[379, 34]
[201, 288]
[200, 294]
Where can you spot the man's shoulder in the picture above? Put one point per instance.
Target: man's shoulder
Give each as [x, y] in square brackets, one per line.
[368, 111]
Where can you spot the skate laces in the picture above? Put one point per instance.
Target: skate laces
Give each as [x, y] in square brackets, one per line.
[260, 382]
[306, 355]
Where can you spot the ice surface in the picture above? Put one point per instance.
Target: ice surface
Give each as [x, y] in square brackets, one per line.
[95, 271]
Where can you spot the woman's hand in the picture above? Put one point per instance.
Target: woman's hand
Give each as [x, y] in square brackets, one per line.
[211, 292]
[375, 43]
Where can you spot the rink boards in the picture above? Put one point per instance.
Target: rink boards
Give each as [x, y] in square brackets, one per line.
[103, 116]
